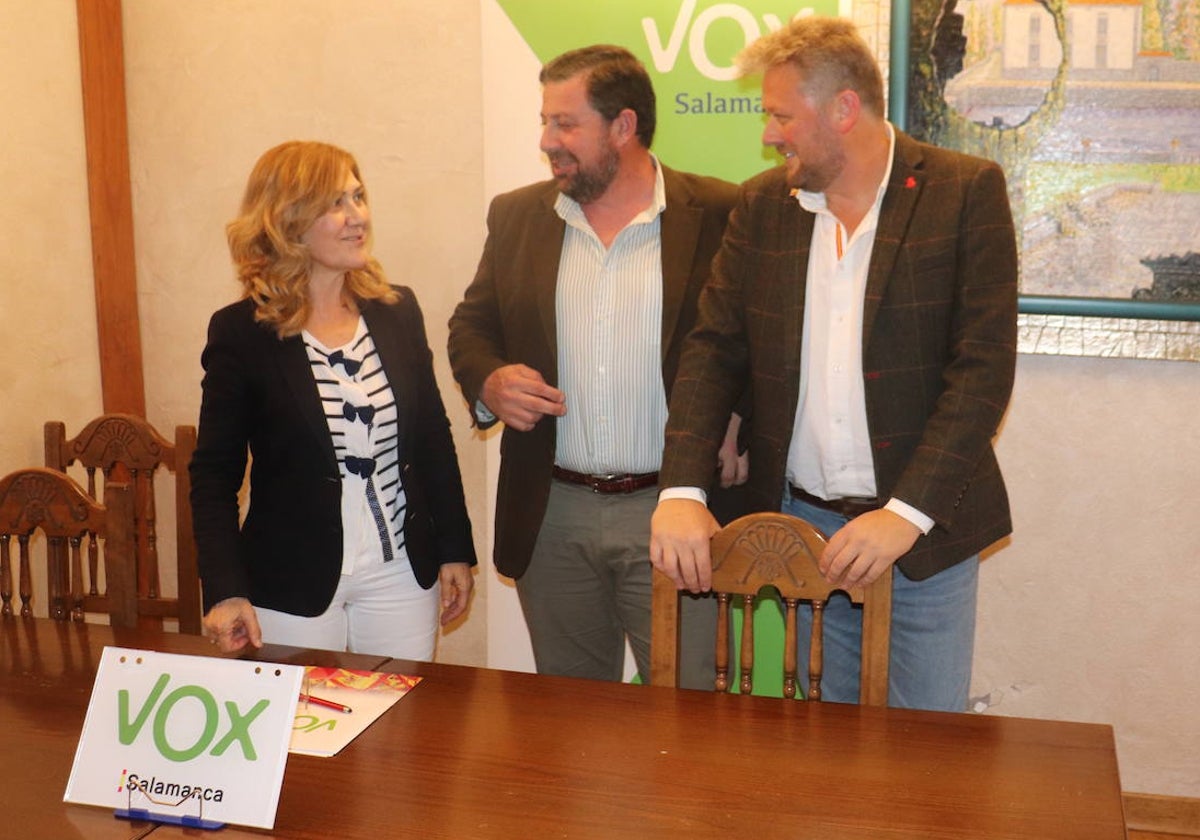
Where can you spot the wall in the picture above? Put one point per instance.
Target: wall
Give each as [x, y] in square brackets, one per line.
[1088, 613]
[47, 307]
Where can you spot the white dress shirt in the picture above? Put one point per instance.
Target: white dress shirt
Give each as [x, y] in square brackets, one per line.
[830, 454]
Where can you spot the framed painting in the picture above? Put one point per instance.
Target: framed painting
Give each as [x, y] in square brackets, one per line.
[1093, 109]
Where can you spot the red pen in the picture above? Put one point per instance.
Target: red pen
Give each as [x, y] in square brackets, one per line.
[321, 701]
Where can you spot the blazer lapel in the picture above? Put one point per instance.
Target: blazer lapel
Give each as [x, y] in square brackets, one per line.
[680, 230]
[546, 231]
[795, 241]
[297, 373]
[895, 215]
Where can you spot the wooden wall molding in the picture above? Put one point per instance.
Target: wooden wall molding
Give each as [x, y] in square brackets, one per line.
[1178, 815]
[110, 205]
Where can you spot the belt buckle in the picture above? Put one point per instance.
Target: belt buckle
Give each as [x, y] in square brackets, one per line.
[601, 483]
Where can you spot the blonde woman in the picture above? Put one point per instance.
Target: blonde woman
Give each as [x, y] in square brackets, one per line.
[356, 532]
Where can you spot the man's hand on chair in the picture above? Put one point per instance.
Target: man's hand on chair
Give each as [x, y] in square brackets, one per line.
[679, 533]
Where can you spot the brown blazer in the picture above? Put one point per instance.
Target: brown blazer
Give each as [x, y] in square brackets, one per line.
[939, 346]
[507, 317]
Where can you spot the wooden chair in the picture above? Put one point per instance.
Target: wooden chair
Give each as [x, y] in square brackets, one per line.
[47, 500]
[780, 551]
[125, 447]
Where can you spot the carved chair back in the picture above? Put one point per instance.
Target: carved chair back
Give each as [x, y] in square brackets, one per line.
[124, 447]
[39, 499]
[751, 556]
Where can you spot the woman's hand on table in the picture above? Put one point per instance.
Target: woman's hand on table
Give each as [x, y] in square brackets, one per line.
[231, 624]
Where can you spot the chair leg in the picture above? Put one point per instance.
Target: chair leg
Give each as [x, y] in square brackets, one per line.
[722, 652]
[746, 661]
[789, 648]
[816, 651]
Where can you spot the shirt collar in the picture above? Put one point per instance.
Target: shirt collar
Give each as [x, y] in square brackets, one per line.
[815, 202]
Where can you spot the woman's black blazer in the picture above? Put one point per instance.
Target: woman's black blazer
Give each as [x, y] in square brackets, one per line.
[259, 396]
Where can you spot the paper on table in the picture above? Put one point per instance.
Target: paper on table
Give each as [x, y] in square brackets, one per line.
[323, 732]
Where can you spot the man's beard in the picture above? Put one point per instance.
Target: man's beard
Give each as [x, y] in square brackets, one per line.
[587, 185]
[815, 176]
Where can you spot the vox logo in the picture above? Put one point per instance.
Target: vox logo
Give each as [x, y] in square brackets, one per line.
[695, 27]
[676, 33]
[178, 704]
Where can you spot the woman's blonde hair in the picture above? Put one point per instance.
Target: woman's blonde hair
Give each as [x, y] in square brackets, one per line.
[290, 187]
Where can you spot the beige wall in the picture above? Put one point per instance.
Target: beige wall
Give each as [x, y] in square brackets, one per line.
[1092, 611]
[1089, 613]
[47, 310]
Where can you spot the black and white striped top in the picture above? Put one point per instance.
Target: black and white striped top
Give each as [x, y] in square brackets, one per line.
[361, 412]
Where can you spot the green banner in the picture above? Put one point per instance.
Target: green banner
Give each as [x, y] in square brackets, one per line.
[708, 121]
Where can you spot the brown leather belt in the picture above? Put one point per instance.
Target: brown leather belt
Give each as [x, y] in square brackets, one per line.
[847, 507]
[618, 483]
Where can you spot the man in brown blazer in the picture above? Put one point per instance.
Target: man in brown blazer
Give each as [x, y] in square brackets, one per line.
[570, 334]
[867, 288]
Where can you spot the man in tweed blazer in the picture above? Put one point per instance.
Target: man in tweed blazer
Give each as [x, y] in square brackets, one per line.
[867, 288]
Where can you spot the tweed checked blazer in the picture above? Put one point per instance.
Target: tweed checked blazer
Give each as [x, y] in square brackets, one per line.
[507, 317]
[939, 346]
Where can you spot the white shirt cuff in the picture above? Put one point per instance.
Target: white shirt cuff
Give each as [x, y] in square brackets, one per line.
[907, 511]
[696, 494]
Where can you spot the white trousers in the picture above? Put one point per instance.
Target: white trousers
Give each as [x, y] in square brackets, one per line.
[380, 609]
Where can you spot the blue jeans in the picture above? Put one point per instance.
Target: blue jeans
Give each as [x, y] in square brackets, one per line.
[933, 633]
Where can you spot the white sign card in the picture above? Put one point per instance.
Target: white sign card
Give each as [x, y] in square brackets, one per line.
[186, 737]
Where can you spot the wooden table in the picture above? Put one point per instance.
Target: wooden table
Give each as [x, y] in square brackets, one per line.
[472, 752]
[46, 674]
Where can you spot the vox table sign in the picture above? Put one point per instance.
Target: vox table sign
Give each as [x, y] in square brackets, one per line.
[192, 740]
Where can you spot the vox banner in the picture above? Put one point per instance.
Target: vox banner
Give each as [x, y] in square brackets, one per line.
[186, 739]
[708, 120]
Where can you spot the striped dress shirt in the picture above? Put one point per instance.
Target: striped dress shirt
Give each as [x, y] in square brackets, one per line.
[608, 310]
